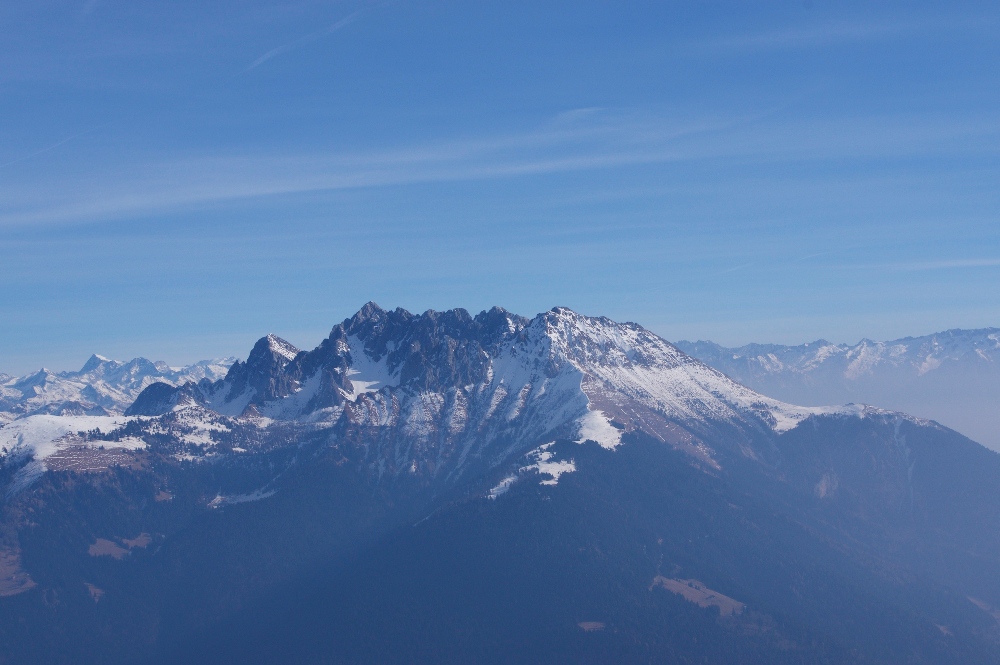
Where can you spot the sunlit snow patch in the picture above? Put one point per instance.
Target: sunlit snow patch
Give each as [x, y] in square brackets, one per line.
[543, 463]
[44, 435]
[789, 417]
[281, 347]
[365, 374]
[502, 487]
[256, 495]
[594, 426]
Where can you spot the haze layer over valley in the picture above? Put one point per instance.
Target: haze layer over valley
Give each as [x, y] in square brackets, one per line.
[952, 376]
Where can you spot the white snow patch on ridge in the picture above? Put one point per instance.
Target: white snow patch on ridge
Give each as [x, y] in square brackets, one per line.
[627, 360]
[502, 487]
[543, 461]
[257, 495]
[545, 465]
[194, 425]
[44, 435]
[281, 347]
[793, 415]
[595, 427]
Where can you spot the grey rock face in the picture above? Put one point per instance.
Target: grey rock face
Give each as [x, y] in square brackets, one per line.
[430, 395]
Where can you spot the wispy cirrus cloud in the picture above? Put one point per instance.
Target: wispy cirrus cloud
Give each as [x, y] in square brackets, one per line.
[53, 146]
[573, 141]
[923, 266]
[831, 33]
[949, 264]
[560, 146]
[306, 39]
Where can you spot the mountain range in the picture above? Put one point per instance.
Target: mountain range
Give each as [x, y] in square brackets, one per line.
[102, 387]
[445, 487]
[952, 377]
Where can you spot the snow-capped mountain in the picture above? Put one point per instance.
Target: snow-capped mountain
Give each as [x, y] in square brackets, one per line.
[101, 387]
[433, 391]
[439, 395]
[492, 488]
[952, 377]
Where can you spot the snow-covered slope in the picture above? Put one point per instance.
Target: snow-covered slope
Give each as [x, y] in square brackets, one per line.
[41, 435]
[952, 377]
[102, 386]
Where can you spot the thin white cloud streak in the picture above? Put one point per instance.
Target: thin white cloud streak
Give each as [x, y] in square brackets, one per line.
[593, 141]
[924, 266]
[737, 268]
[818, 36]
[302, 41]
[55, 145]
[208, 180]
[157, 197]
[807, 37]
[946, 265]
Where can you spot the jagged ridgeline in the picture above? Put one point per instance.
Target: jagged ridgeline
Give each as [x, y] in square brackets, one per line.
[102, 387]
[445, 487]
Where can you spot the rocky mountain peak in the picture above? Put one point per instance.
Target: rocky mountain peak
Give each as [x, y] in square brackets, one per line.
[262, 376]
[95, 361]
[369, 312]
[102, 386]
[268, 354]
[35, 380]
[280, 348]
[457, 385]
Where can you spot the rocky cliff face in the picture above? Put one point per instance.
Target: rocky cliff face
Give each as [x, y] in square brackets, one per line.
[431, 392]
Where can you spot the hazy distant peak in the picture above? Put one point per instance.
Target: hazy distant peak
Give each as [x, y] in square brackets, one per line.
[951, 376]
[93, 363]
[102, 386]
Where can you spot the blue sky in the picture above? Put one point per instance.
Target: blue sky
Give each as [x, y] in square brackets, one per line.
[177, 179]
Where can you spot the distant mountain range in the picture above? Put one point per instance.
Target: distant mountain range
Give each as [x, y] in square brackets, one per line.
[102, 387]
[952, 377]
[452, 488]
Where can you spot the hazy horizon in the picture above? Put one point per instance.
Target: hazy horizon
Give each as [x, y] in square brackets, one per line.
[307, 340]
[177, 181]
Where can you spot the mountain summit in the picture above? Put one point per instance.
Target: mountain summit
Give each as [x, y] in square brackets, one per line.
[453, 385]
